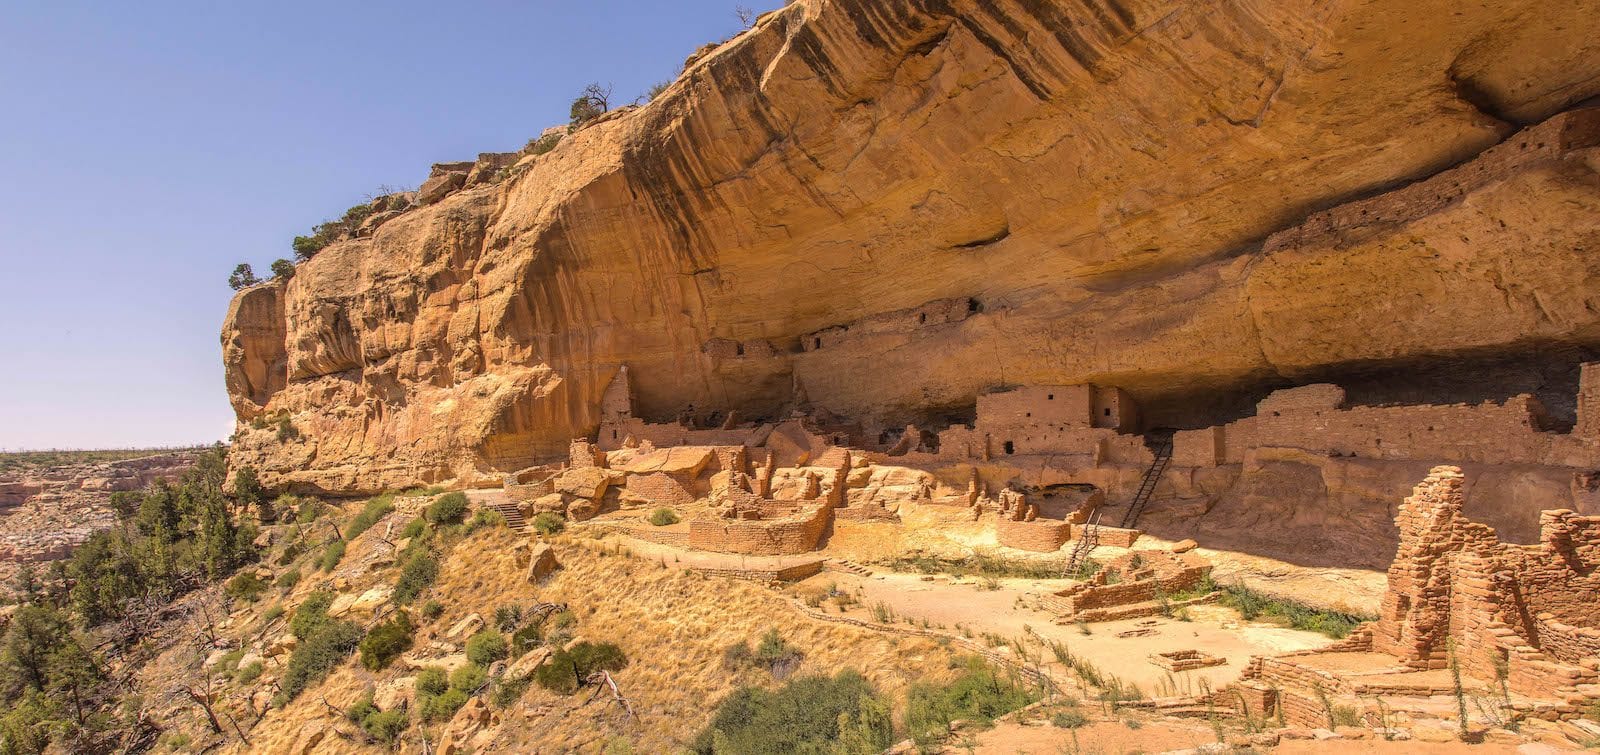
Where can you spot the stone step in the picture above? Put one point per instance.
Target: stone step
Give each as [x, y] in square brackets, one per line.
[512, 514]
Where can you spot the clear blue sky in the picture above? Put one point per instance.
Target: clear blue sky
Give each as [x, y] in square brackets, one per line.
[148, 147]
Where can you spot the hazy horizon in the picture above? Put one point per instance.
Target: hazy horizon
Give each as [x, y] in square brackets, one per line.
[152, 147]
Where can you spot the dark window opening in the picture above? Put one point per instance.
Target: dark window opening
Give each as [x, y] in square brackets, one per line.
[1011, 448]
[816, 343]
[613, 434]
[738, 349]
[973, 306]
[1108, 411]
[1028, 414]
[922, 318]
[1051, 397]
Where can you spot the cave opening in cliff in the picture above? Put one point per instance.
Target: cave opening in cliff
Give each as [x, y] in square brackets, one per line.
[1548, 373]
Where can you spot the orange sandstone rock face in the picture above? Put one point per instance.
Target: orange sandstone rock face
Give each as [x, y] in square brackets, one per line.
[897, 204]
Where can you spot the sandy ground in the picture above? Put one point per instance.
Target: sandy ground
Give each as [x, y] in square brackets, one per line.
[1115, 738]
[1010, 611]
[1351, 590]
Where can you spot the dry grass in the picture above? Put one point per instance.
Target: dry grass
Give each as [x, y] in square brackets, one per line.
[674, 626]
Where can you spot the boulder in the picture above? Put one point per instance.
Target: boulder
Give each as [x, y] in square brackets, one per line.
[421, 660]
[529, 662]
[362, 604]
[310, 736]
[582, 509]
[395, 693]
[374, 220]
[437, 187]
[283, 643]
[583, 482]
[474, 718]
[1184, 546]
[541, 562]
[554, 503]
[466, 627]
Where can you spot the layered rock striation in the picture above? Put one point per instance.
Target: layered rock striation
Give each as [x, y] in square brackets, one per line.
[886, 208]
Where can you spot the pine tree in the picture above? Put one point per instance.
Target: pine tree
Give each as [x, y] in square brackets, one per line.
[242, 277]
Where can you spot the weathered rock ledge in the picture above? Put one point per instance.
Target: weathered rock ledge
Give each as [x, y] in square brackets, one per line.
[895, 205]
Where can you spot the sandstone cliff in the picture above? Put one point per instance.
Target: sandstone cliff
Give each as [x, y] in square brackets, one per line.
[1083, 191]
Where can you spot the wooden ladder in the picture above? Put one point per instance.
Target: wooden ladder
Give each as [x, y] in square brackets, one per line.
[1087, 542]
[1147, 486]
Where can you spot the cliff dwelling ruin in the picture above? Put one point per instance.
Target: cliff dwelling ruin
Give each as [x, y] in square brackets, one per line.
[1211, 362]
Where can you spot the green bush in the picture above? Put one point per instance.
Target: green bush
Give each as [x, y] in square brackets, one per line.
[568, 669]
[525, 639]
[417, 573]
[303, 510]
[248, 674]
[327, 646]
[509, 690]
[821, 714]
[737, 657]
[386, 726]
[360, 709]
[547, 523]
[306, 247]
[772, 655]
[369, 515]
[449, 508]
[558, 628]
[282, 268]
[441, 707]
[663, 517]
[432, 680]
[245, 586]
[432, 609]
[288, 579]
[777, 656]
[468, 678]
[485, 518]
[1252, 604]
[507, 617]
[486, 647]
[386, 642]
[311, 615]
[542, 144]
[1069, 719]
[977, 694]
[286, 430]
[413, 528]
[331, 556]
[230, 660]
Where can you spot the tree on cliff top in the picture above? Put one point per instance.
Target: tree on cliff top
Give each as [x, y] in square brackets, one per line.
[589, 105]
[282, 268]
[242, 277]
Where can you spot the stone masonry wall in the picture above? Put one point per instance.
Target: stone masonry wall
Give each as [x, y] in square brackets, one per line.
[1588, 426]
[1490, 432]
[1454, 587]
[790, 535]
[1042, 535]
